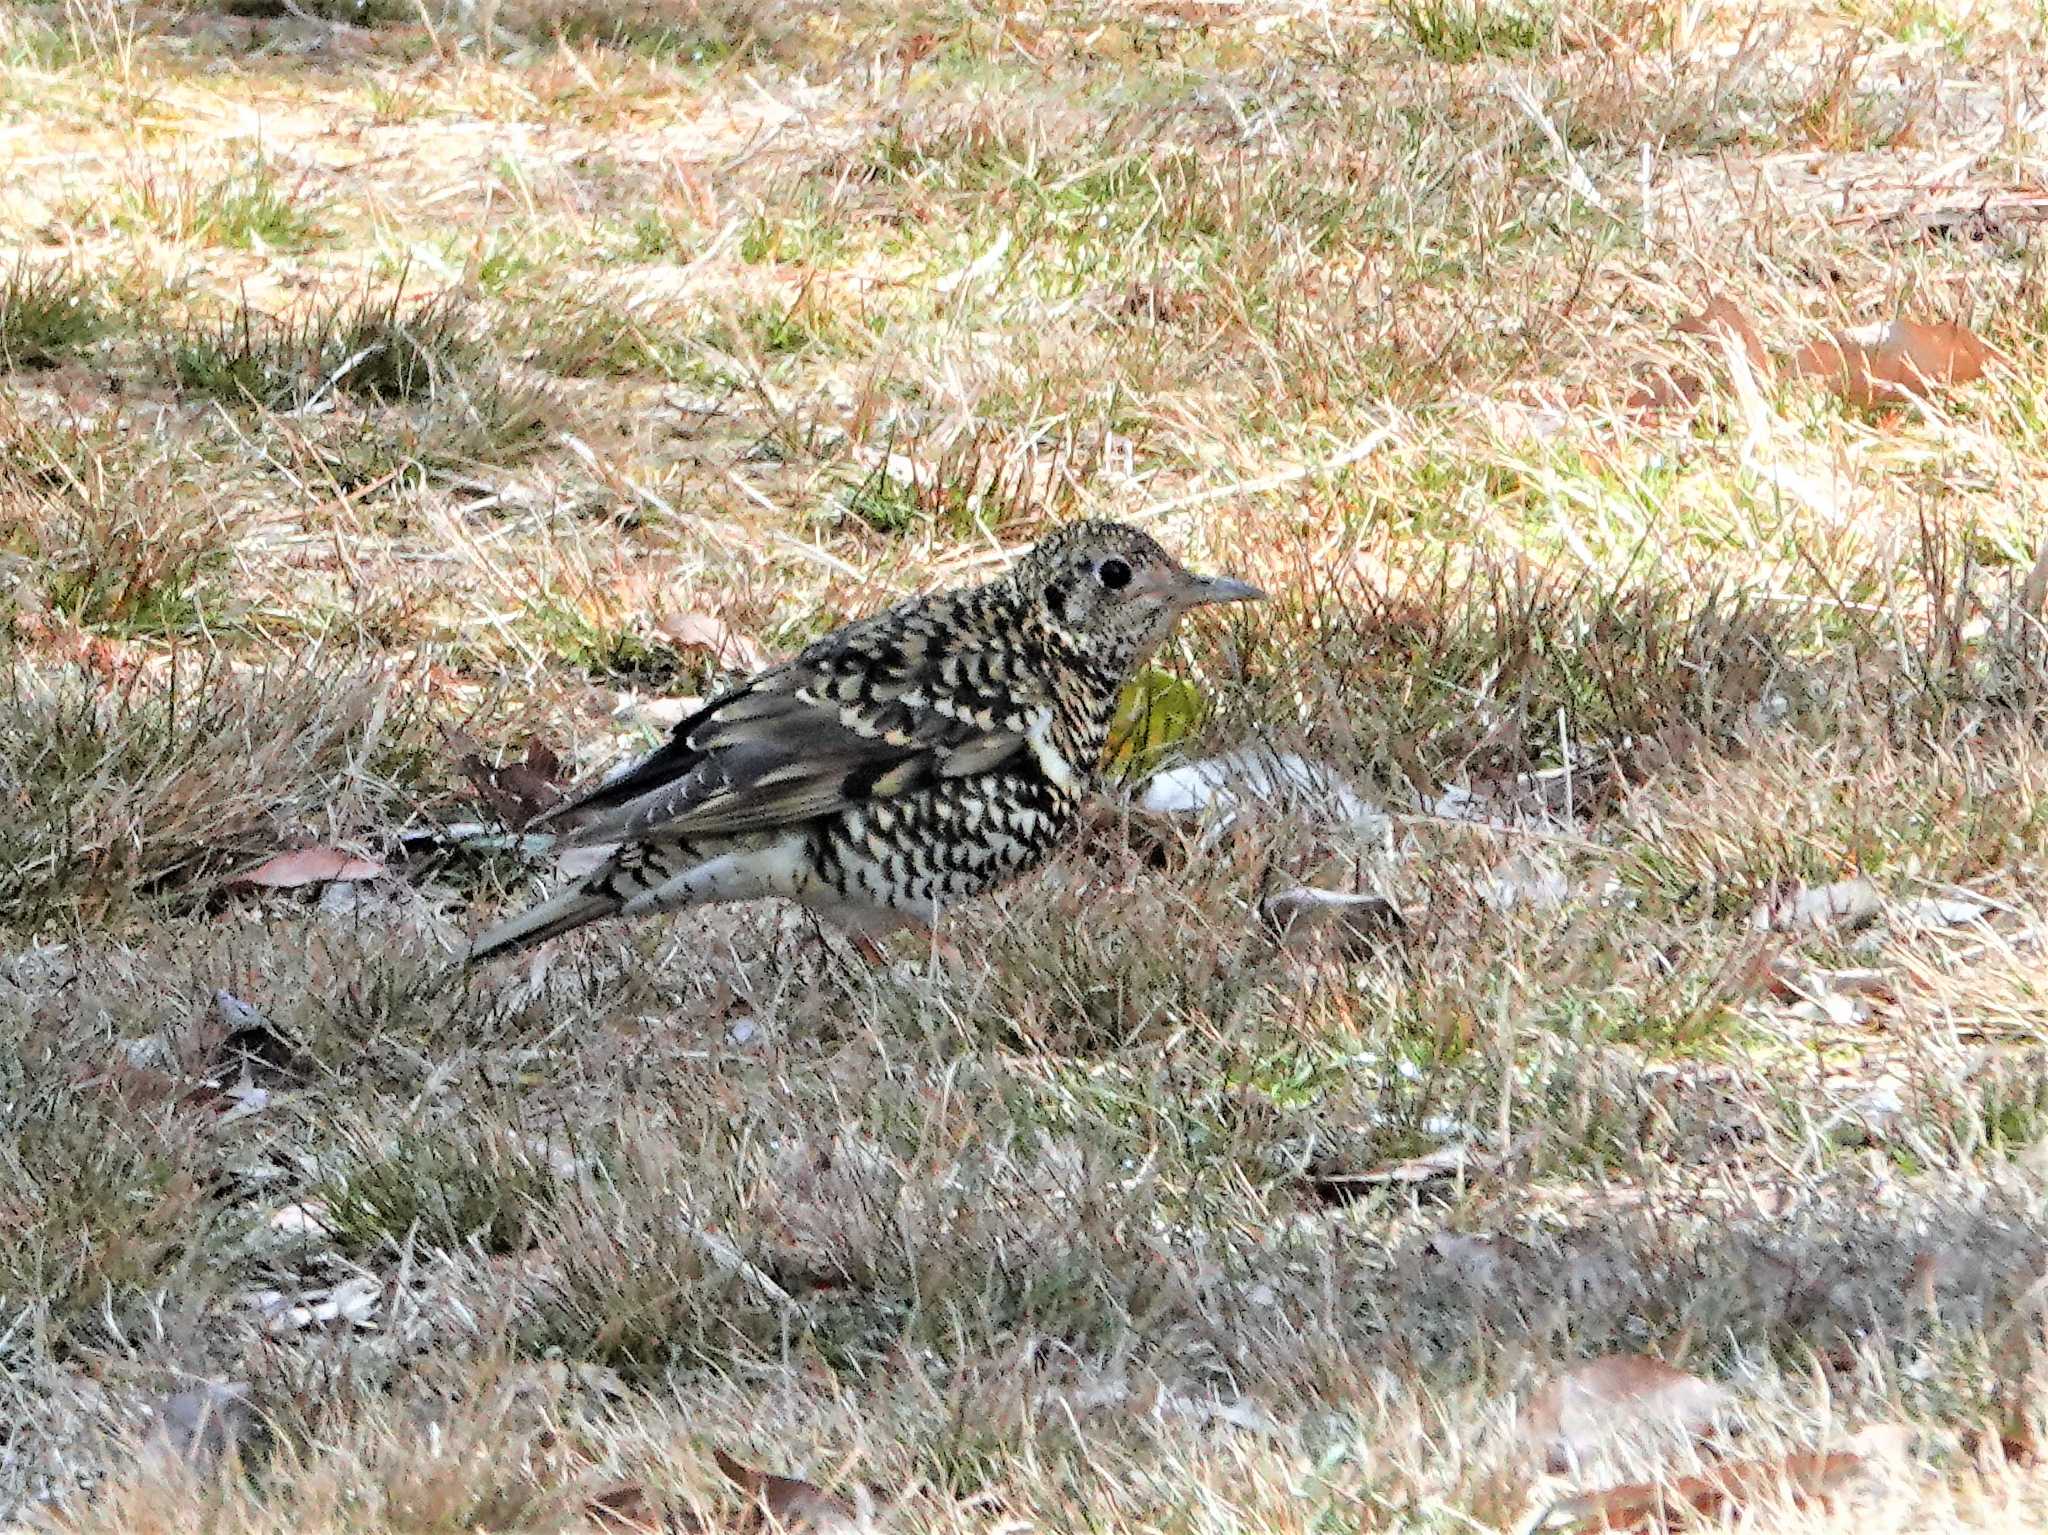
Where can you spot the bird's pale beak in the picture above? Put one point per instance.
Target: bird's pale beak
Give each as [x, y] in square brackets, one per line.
[1196, 591]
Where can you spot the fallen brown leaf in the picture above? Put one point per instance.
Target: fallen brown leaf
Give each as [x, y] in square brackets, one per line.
[518, 791]
[1721, 321]
[2010, 1431]
[1353, 923]
[1868, 366]
[729, 649]
[1611, 1397]
[1664, 391]
[305, 866]
[629, 1507]
[784, 1502]
[1890, 364]
[1722, 1493]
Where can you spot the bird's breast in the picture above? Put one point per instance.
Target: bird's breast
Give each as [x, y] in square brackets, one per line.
[1057, 768]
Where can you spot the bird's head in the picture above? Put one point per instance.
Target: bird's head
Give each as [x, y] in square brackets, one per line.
[1105, 585]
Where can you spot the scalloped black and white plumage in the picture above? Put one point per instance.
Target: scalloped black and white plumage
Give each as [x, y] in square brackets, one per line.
[900, 764]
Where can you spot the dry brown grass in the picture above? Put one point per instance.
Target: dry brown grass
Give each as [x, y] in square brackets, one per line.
[380, 375]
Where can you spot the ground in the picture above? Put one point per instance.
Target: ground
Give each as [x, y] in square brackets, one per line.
[387, 384]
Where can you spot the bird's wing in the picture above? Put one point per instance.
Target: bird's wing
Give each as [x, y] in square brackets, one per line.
[876, 710]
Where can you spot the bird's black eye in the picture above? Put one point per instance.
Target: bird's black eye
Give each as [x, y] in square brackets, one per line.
[1114, 574]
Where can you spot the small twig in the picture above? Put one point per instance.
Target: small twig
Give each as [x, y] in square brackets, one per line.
[1575, 177]
[348, 366]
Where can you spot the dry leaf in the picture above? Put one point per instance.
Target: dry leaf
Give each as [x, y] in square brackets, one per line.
[1225, 786]
[1337, 1188]
[1721, 321]
[1847, 903]
[1872, 365]
[305, 866]
[1889, 364]
[729, 649]
[1664, 391]
[1355, 922]
[783, 1502]
[628, 1507]
[518, 791]
[1723, 1493]
[1613, 1397]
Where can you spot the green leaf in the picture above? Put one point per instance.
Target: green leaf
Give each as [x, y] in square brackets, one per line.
[1156, 712]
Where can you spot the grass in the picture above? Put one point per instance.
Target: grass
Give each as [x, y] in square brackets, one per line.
[152, 786]
[361, 13]
[1459, 31]
[247, 206]
[48, 314]
[376, 394]
[694, 33]
[121, 541]
[398, 388]
[375, 345]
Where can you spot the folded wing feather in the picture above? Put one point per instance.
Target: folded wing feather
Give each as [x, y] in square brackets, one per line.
[775, 753]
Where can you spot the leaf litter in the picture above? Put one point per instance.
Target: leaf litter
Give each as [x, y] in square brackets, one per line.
[518, 791]
[1587, 1409]
[1354, 923]
[1726, 1492]
[1225, 787]
[1634, 1401]
[786, 1502]
[1874, 366]
[304, 866]
[706, 634]
[1870, 367]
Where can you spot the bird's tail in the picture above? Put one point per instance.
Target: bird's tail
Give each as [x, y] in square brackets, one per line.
[556, 915]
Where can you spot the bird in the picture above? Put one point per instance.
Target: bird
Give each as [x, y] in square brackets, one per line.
[910, 760]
